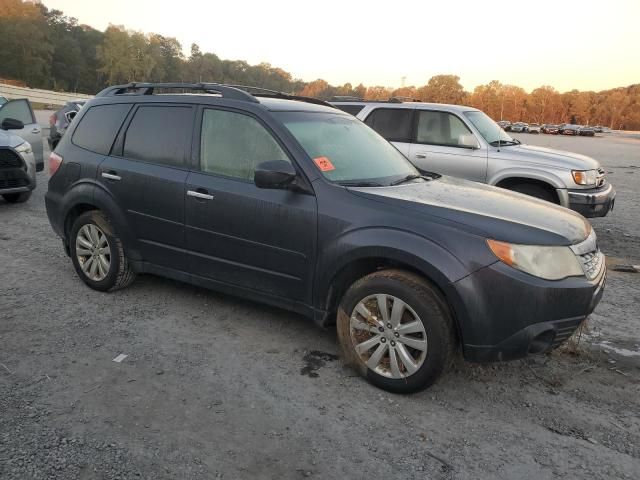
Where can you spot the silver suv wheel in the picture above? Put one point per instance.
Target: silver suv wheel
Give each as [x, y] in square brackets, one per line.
[93, 252]
[388, 335]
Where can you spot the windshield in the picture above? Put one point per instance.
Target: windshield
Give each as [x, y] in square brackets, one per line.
[489, 129]
[347, 151]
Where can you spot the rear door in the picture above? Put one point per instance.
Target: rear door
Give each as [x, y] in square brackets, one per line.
[146, 173]
[237, 233]
[444, 144]
[32, 132]
[394, 124]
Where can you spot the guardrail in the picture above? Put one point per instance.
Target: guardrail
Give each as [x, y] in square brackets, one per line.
[40, 96]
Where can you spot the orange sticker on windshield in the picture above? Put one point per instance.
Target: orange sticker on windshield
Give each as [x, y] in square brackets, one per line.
[324, 164]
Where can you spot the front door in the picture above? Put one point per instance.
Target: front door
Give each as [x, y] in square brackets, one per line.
[237, 233]
[146, 174]
[31, 132]
[444, 144]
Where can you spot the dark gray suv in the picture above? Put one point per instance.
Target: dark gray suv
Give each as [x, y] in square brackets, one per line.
[288, 201]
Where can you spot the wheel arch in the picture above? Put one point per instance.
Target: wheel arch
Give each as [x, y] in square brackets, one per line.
[510, 181]
[86, 197]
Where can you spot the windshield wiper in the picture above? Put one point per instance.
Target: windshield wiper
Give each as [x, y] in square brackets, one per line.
[408, 178]
[360, 184]
[504, 143]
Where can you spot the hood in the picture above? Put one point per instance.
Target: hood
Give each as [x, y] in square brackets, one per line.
[9, 139]
[549, 156]
[487, 211]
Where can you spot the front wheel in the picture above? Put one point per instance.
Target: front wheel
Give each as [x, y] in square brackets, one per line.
[97, 253]
[396, 331]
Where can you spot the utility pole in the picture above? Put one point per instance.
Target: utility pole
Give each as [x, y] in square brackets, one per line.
[403, 81]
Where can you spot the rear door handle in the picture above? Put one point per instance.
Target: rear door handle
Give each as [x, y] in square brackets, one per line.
[200, 193]
[421, 155]
[111, 176]
[36, 131]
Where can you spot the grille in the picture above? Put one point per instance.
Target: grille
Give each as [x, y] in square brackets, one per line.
[9, 159]
[13, 183]
[564, 330]
[600, 179]
[591, 263]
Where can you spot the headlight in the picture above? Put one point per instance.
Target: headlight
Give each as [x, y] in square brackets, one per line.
[24, 148]
[585, 177]
[550, 263]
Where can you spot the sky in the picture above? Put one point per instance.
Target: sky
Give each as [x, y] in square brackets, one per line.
[583, 44]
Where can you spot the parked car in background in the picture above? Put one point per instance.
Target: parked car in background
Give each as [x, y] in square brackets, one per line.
[569, 129]
[410, 265]
[519, 127]
[549, 128]
[21, 110]
[505, 125]
[533, 128]
[17, 163]
[598, 128]
[3, 100]
[60, 120]
[464, 142]
[586, 131]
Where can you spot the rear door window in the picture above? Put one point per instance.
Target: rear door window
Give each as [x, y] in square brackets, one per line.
[99, 126]
[159, 134]
[394, 124]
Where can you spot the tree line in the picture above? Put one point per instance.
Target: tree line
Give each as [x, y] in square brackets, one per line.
[46, 49]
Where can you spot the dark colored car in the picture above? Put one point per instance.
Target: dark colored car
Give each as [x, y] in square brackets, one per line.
[505, 125]
[291, 202]
[59, 121]
[549, 128]
[569, 129]
[587, 131]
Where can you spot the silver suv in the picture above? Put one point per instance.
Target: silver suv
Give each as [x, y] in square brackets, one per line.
[464, 142]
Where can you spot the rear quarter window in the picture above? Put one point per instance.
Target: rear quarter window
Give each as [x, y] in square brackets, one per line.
[98, 127]
[394, 124]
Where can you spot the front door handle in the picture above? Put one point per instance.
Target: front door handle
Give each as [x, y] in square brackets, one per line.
[201, 194]
[421, 155]
[36, 131]
[111, 176]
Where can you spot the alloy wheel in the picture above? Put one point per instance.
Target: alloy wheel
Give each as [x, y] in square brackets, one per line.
[93, 252]
[388, 336]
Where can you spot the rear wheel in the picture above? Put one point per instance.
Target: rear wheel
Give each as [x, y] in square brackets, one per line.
[97, 253]
[17, 197]
[395, 330]
[534, 191]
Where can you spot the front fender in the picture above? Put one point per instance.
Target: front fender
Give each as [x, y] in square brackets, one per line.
[431, 259]
[530, 173]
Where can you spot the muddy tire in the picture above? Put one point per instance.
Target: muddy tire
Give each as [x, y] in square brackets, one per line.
[395, 329]
[97, 253]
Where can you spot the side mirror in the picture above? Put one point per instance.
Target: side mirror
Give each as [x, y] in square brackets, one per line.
[11, 124]
[274, 174]
[468, 141]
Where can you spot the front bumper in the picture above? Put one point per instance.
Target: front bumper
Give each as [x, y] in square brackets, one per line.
[597, 202]
[506, 314]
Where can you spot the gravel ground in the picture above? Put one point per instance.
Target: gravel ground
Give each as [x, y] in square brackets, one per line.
[217, 387]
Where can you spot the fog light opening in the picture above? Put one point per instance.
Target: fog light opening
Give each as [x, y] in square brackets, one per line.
[542, 341]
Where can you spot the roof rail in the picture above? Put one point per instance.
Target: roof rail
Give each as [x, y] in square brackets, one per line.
[265, 92]
[360, 100]
[346, 98]
[134, 88]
